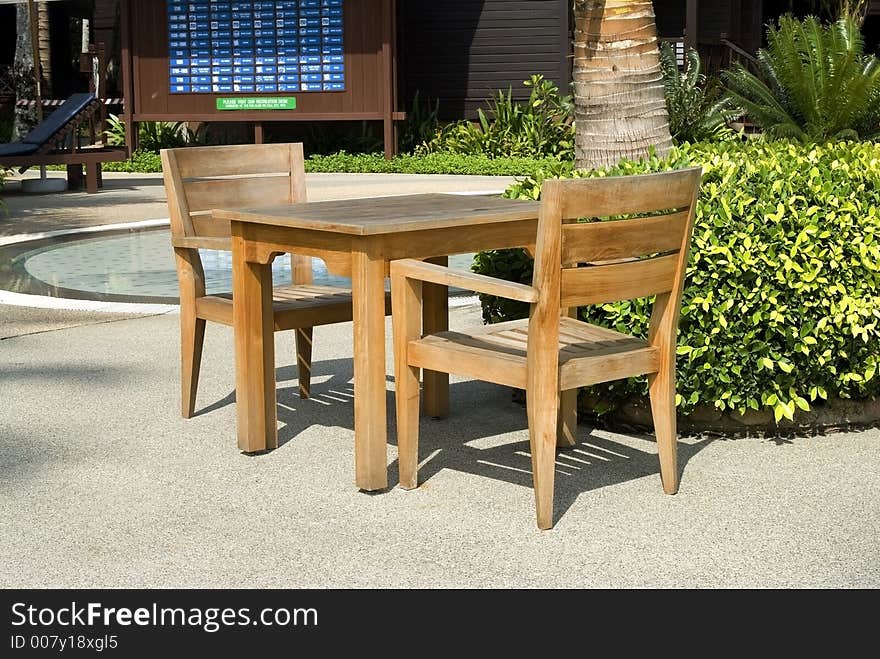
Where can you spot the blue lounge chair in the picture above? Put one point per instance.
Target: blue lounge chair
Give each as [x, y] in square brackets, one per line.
[47, 143]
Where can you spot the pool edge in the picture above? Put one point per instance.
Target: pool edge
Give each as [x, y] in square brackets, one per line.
[13, 299]
[10, 298]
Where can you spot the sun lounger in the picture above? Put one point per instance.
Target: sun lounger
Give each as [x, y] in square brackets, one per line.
[48, 143]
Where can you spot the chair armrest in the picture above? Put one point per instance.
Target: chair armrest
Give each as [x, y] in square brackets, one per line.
[438, 274]
[197, 242]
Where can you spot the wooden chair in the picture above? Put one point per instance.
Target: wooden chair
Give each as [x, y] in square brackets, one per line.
[551, 354]
[198, 179]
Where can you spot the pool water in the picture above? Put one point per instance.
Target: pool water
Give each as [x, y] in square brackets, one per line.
[136, 266]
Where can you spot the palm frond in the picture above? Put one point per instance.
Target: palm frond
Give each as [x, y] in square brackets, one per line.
[696, 111]
[815, 82]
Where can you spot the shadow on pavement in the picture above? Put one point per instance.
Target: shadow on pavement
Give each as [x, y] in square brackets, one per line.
[470, 439]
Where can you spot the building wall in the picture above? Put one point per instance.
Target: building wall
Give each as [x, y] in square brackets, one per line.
[740, 21]
[670, 17]
[461, 51]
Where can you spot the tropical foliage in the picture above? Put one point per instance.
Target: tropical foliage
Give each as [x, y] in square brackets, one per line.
[154, 135]
[835, 9]
[782, 302]
[432, 163]
[816, 83]
[421, 124]
[697, 110]
[376, 163]
[538, 127]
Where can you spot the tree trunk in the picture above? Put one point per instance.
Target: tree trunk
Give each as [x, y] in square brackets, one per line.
[23, 72]
[45, 43]
[620, 107]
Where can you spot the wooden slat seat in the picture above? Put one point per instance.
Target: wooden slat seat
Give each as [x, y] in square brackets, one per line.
[294, 306]
[588, 354]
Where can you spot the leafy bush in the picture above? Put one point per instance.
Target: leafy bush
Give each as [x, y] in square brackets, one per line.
[782, 302]
[432, 163]
[115, 133]
[375, 163]
[153, 135]
[816, 84]
[540, 127]
[142, 162]
[156, 135]
[421, 125]
[697, 111]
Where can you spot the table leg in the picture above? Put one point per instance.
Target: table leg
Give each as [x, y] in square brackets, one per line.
[435, 318]
[370, 423]
[254, 351]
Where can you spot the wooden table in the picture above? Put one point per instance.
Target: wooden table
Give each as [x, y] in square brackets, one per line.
[355, 238]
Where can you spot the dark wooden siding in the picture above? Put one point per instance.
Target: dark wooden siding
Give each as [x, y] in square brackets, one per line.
[740, 21]
[461, 51]
[670, 17]
[105, 14]
[715, 19]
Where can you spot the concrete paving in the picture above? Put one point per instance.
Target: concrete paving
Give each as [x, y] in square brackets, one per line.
[102, 484]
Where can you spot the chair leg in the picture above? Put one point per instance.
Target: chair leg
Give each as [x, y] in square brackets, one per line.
[566, 427]
[192, 338]
[304, 360]
[542, 440]
[662, 391]
[406, 297]
[406, 393]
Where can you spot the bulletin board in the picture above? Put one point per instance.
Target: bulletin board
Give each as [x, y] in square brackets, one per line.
[262, 61]
[272, 47]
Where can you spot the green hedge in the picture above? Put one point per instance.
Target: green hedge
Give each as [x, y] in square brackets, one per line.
[432, 163]
[375, 163]
[782, 301]
[142, 162]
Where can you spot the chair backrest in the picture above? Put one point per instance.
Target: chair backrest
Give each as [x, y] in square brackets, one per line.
[198, 179]
[618, 259]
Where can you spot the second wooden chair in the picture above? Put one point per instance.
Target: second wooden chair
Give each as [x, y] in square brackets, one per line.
[551, 354]
[198, 179]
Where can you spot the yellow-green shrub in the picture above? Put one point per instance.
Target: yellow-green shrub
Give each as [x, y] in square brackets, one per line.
[782, 301]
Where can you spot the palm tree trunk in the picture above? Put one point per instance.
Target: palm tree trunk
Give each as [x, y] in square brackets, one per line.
[23, 72]
[620, 107]
[45, 45]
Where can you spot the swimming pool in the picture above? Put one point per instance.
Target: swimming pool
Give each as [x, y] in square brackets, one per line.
[127, 265]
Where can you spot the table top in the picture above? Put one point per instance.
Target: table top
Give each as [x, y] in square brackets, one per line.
[378, 215]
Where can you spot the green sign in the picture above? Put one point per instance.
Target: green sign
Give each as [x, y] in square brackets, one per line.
[257, 103]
